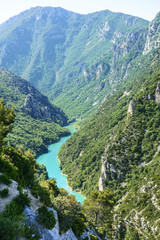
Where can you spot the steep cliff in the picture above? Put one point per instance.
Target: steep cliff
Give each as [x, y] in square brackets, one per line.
[153, 36]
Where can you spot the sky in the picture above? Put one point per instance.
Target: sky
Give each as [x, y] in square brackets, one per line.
[146, 9]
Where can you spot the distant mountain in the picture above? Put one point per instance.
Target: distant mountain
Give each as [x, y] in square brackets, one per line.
[37, 119]
[77, 60]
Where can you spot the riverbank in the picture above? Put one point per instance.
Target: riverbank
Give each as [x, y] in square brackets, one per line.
[50, 160]
[70, 188]
[51, 141]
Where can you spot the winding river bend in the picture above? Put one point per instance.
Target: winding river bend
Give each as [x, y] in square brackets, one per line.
[50, 160]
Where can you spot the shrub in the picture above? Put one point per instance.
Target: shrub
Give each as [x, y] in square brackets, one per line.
[16, 206]
[9, 230]
[93, 237]
[46, 217]
[5, 179]
[29, 233]
[4, 192]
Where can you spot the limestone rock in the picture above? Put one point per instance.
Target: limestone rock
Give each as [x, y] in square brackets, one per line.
[157, 94]
[132, 107]
[13, 192]
[153, 37]
[46, 234]
[39, 107]
[102, 177]
[69, 235]
[87, 233]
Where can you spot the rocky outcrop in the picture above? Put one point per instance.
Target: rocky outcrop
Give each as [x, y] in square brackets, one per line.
[46, 234]
[98, 71]
[132, 107]
[157, 94]
[28, 99]
[88, 232]
[13, 192]
[153, 37]
[38, 106]
[108, 172]
[102, 178]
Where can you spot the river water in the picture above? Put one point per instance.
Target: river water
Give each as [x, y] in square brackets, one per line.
[50, 160]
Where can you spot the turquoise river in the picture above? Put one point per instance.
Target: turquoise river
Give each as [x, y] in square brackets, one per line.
[50, 160]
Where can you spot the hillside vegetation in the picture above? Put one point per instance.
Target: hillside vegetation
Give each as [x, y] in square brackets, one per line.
[127, 144]
[36, 122]
[81, 155]
[27, 204]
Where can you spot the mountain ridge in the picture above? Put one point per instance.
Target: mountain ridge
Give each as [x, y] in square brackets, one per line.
[67, 55]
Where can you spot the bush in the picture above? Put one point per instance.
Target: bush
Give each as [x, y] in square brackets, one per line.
[5, 179]
[16, 206]
[4, 192]
[9, 230]
[22, 199]
[46, 217]
[93, 237]
[29, 233]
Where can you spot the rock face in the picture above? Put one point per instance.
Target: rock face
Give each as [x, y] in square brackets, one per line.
[46, 234]
[157, 94]
[13, 192]
[38, 106]
[132, 107]
[35, 104]
[153, 37]
[102, 178]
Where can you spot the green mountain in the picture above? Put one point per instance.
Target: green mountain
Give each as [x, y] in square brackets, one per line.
[37, 121]
[83, 151]
[81, 155]
[117, 149]
[76, 60]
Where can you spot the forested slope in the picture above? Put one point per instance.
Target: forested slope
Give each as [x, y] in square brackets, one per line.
[81, 155]
[37, 120]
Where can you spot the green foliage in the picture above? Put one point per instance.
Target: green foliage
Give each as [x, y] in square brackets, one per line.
[31, 133]
[18, 164]
[46, 217]
[4, 178]
[42, 192]
[41, 173]
[4, 192]
[131, 234]
[51, 187]
[35, 134]
[29, 233]
[16, 206]
[93, 237]
[7, 117]
[9, 230]
[69, 214]
[98, 209]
